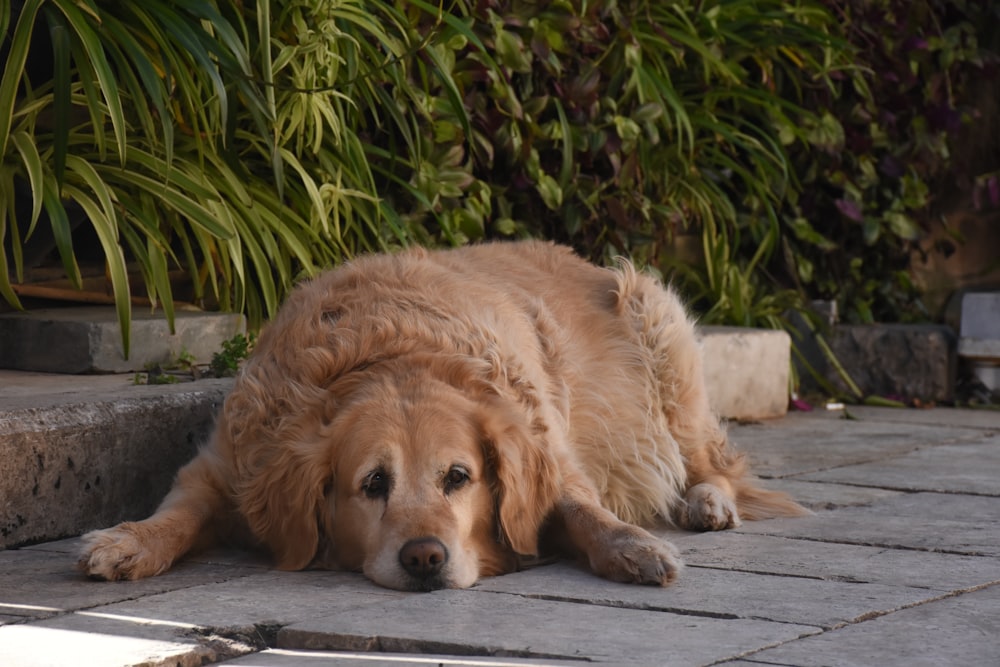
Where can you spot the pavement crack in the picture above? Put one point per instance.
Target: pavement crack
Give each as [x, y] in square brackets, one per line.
[252, 638]
[768, 573]
[620, 604]
[871, 543]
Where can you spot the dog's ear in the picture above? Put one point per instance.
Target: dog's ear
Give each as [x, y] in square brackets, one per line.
[282, 498]
[527, 476]
[278, 467]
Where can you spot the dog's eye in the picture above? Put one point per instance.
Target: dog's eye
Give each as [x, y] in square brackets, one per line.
[376, 484]
[455, 479]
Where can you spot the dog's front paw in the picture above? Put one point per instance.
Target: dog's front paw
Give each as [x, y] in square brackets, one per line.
[119, 553]
[633, 556]
[707, 507]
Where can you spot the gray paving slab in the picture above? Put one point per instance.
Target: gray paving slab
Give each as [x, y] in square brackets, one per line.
[719, 593]
[263, 599]
[766, 554]
[930, 521]
[794, 592]
[477, 623]
[85, 639]
[827, 495]
[966, 468]
[40, 584]
[289, 658]
[956, 631]
[817, 441]
[983, 418]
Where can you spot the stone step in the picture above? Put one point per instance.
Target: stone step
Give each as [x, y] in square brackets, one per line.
[85, 451]
[86, 339]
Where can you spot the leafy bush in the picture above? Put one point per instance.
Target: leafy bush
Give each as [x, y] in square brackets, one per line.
[252, 144]
[616, 126]
[878, 183]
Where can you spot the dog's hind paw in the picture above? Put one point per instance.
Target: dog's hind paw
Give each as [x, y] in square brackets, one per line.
[118, 553]
[707, 507]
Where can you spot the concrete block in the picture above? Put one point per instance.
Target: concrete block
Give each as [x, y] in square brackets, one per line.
[906, 360]
[818, 496]
[87, 339]
[70, 467]
[265, 599]
[980, 315]
[746, 371]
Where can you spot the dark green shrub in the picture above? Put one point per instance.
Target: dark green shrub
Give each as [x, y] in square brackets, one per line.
[878, 185]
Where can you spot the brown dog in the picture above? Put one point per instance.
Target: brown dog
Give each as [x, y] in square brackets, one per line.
[427, 417]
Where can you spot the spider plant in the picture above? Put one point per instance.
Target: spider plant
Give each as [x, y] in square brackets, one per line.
[227, 139]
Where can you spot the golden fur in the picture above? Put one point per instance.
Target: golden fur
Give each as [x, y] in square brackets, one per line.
[429, 417]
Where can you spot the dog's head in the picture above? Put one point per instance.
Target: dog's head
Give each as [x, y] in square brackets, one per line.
[405, 472]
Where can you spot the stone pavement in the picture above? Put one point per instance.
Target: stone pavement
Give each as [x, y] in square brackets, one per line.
[900, 565]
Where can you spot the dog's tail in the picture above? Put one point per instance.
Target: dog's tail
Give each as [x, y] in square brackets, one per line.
[755, 502]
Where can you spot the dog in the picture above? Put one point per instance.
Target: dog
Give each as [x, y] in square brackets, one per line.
[430, 418]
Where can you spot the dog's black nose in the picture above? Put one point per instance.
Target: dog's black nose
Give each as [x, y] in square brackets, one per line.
[424, 557]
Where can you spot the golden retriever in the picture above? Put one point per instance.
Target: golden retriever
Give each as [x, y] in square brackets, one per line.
[430, 418]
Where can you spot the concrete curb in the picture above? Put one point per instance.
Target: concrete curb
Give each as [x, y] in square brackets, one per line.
[93, 456]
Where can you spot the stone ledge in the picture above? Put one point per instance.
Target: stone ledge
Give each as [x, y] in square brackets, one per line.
[86, 339]
[906, 360]
[746, 371]
[87, 458]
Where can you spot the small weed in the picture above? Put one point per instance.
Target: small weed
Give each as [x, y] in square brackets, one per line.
[234, 351]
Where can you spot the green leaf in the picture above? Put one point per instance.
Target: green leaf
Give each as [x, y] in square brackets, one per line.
[902, 225]
[89, 37]
[62, 232]
[61, 88]
[13, 70]
[107, 233]
[32, 162]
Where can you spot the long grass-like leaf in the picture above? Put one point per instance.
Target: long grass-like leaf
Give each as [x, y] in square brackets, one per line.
[173, 198]
[107, 233]
[61, 88]
[32, 162]
[17, 55]
[89, 37]
[61, 231]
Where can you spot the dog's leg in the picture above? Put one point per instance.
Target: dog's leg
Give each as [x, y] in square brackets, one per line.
[614, 549]
[720, 492]
[133, 550]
